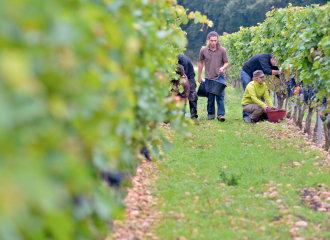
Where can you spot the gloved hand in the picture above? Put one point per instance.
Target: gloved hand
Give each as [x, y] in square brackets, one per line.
[184, 108]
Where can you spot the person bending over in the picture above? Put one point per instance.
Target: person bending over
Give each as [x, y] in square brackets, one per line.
[190, 73]
[251, 99]
[178, 94]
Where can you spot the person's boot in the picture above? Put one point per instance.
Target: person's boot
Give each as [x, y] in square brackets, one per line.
[255, 120]
[247, 119]
[221, 118]
[210, 117]
[263, 117]
[195, 119]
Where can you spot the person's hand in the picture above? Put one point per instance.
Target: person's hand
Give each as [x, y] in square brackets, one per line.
[177, 99]
[200, 80]
[221, 70]
[266, 108]
[274, 108]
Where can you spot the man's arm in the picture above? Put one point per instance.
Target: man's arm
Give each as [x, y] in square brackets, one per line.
[275, 72]
[265, 65]
[225, 60]
[275, 68]
[222, 69]
[267, 99]
[191, 71]
[200, 70]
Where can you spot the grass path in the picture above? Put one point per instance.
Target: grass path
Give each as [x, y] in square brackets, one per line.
[233, 180]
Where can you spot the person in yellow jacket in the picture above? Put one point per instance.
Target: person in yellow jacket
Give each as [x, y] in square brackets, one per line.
[251, 99]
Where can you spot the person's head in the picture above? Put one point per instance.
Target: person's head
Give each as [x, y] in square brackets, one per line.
[272, 60]
[180, 70]
[259, 76]
[213, 38]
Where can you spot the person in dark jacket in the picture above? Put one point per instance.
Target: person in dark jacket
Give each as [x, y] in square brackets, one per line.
[190, 73]
[261, 61]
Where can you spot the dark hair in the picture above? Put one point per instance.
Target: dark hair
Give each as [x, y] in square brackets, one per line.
[214, 34]
[180, 70]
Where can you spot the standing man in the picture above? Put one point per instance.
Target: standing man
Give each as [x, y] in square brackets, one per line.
[216, 61]
[261, 61]
[190, 73]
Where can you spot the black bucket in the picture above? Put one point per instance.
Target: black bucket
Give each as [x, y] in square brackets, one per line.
[215, 87]
[201, 90]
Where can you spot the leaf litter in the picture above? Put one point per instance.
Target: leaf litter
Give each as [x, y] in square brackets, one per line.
[140, 212]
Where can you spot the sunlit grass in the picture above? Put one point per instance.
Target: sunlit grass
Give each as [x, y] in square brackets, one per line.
[217, 178]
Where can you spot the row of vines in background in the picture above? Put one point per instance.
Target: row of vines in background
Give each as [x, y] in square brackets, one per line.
[300, 39]
[83, 87]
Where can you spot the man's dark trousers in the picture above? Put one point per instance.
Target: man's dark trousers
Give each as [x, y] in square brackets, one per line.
[246, 79]
[211, 98]
[193, 98]
[190, 72]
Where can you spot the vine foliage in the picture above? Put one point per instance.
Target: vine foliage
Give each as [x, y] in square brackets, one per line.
[83, 87]
[299, 38]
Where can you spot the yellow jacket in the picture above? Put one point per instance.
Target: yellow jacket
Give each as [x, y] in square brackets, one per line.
[253, 92]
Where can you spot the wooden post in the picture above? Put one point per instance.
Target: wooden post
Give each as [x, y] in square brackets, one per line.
[275, 99]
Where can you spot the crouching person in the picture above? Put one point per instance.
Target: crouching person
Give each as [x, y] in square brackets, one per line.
[251, 100]
[179, 95]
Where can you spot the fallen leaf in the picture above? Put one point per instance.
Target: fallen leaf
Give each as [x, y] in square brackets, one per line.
[273, 194]
[134, 213]
[301, 224]
[316, 198]
[263, 228]
[196, 199]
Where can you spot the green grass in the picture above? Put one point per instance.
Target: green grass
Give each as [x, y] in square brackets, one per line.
[217, 176]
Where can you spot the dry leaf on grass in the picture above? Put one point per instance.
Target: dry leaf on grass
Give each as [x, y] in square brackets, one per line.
[301, 224]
